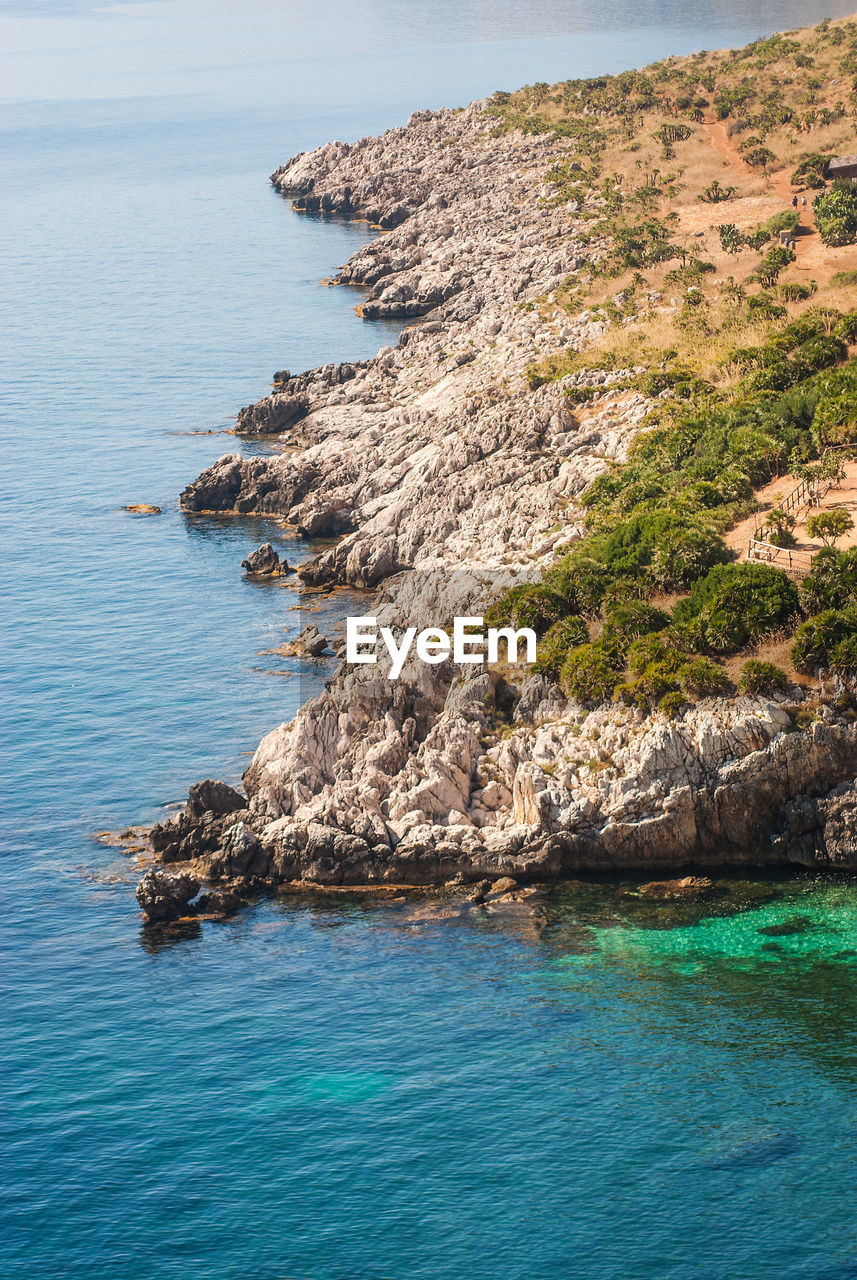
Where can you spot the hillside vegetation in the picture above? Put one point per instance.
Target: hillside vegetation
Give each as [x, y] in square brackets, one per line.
[741, 308]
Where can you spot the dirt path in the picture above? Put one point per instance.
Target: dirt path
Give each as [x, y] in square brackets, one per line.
[809, 250]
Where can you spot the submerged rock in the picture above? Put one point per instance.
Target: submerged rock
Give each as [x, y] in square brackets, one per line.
[688, 887]
[219, 903]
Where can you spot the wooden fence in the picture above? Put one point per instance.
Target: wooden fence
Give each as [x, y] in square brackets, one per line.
[796, 563]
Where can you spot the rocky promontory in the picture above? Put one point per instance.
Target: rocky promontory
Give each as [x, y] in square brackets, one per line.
[419, 781]
[441, 471]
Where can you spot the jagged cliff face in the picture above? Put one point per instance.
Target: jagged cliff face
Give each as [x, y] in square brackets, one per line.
[416, 781]
[437, 455]
[432, 788]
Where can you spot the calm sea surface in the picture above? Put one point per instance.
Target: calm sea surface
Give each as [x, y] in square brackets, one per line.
[318, 1091]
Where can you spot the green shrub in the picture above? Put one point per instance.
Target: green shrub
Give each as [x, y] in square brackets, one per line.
[762, 677]
[589, 673]
[763, 305]
[580, 582]
[836, 215]
[625, 623]
[532, 605]
[779, 524]
[830, 525]
[788, 220]
[835, 415]
[759, 157]
[653, 665]
[846, 328]
[663, 548]
[735, 604]
[812, 169]
[568, 633]
[797, 332]
[827, 640]
[832, 584]
[794, 291]
[702, 678]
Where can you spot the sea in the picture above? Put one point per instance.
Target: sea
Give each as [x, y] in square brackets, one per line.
[323, 1089]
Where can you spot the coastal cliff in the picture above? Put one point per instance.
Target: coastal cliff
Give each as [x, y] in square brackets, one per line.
[435, 453]
[467, 458]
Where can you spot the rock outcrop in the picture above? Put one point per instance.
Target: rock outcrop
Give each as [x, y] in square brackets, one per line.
[265, 562]
[310, 643]
[164, 895]
[415, 781]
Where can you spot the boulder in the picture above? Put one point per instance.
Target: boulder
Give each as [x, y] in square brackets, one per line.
[265, 562]
[214, 797]
[164, 895]
[309, 644]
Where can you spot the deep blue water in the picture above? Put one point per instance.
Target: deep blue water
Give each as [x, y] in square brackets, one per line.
[318, 1090]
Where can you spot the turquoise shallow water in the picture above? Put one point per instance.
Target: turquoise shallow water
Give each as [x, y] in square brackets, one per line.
[325, 1090]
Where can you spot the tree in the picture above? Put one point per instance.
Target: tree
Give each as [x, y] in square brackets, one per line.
[836, 215]
[830, 525]
[779, 524]
[714, 193]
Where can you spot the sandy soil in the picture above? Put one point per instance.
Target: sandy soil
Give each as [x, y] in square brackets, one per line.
[769, 497]
[766, 194]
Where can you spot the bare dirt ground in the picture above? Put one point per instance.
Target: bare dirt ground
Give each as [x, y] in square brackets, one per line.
[772, 494]
[760, 197]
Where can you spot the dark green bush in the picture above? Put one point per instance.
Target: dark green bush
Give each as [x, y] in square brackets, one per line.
[735, 604]
[567, 634]
[625, 623]
[580, 582]
[528, 605]
[836, 215]
[833, 581]
[702, 678]
[663, 548]
[762, 677]
[827, 640]
[835, 416]
[589, 672]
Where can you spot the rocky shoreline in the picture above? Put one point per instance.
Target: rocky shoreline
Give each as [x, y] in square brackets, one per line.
[441, 473]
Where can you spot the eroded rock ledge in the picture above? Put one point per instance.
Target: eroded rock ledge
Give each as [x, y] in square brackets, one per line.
[416, 782]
